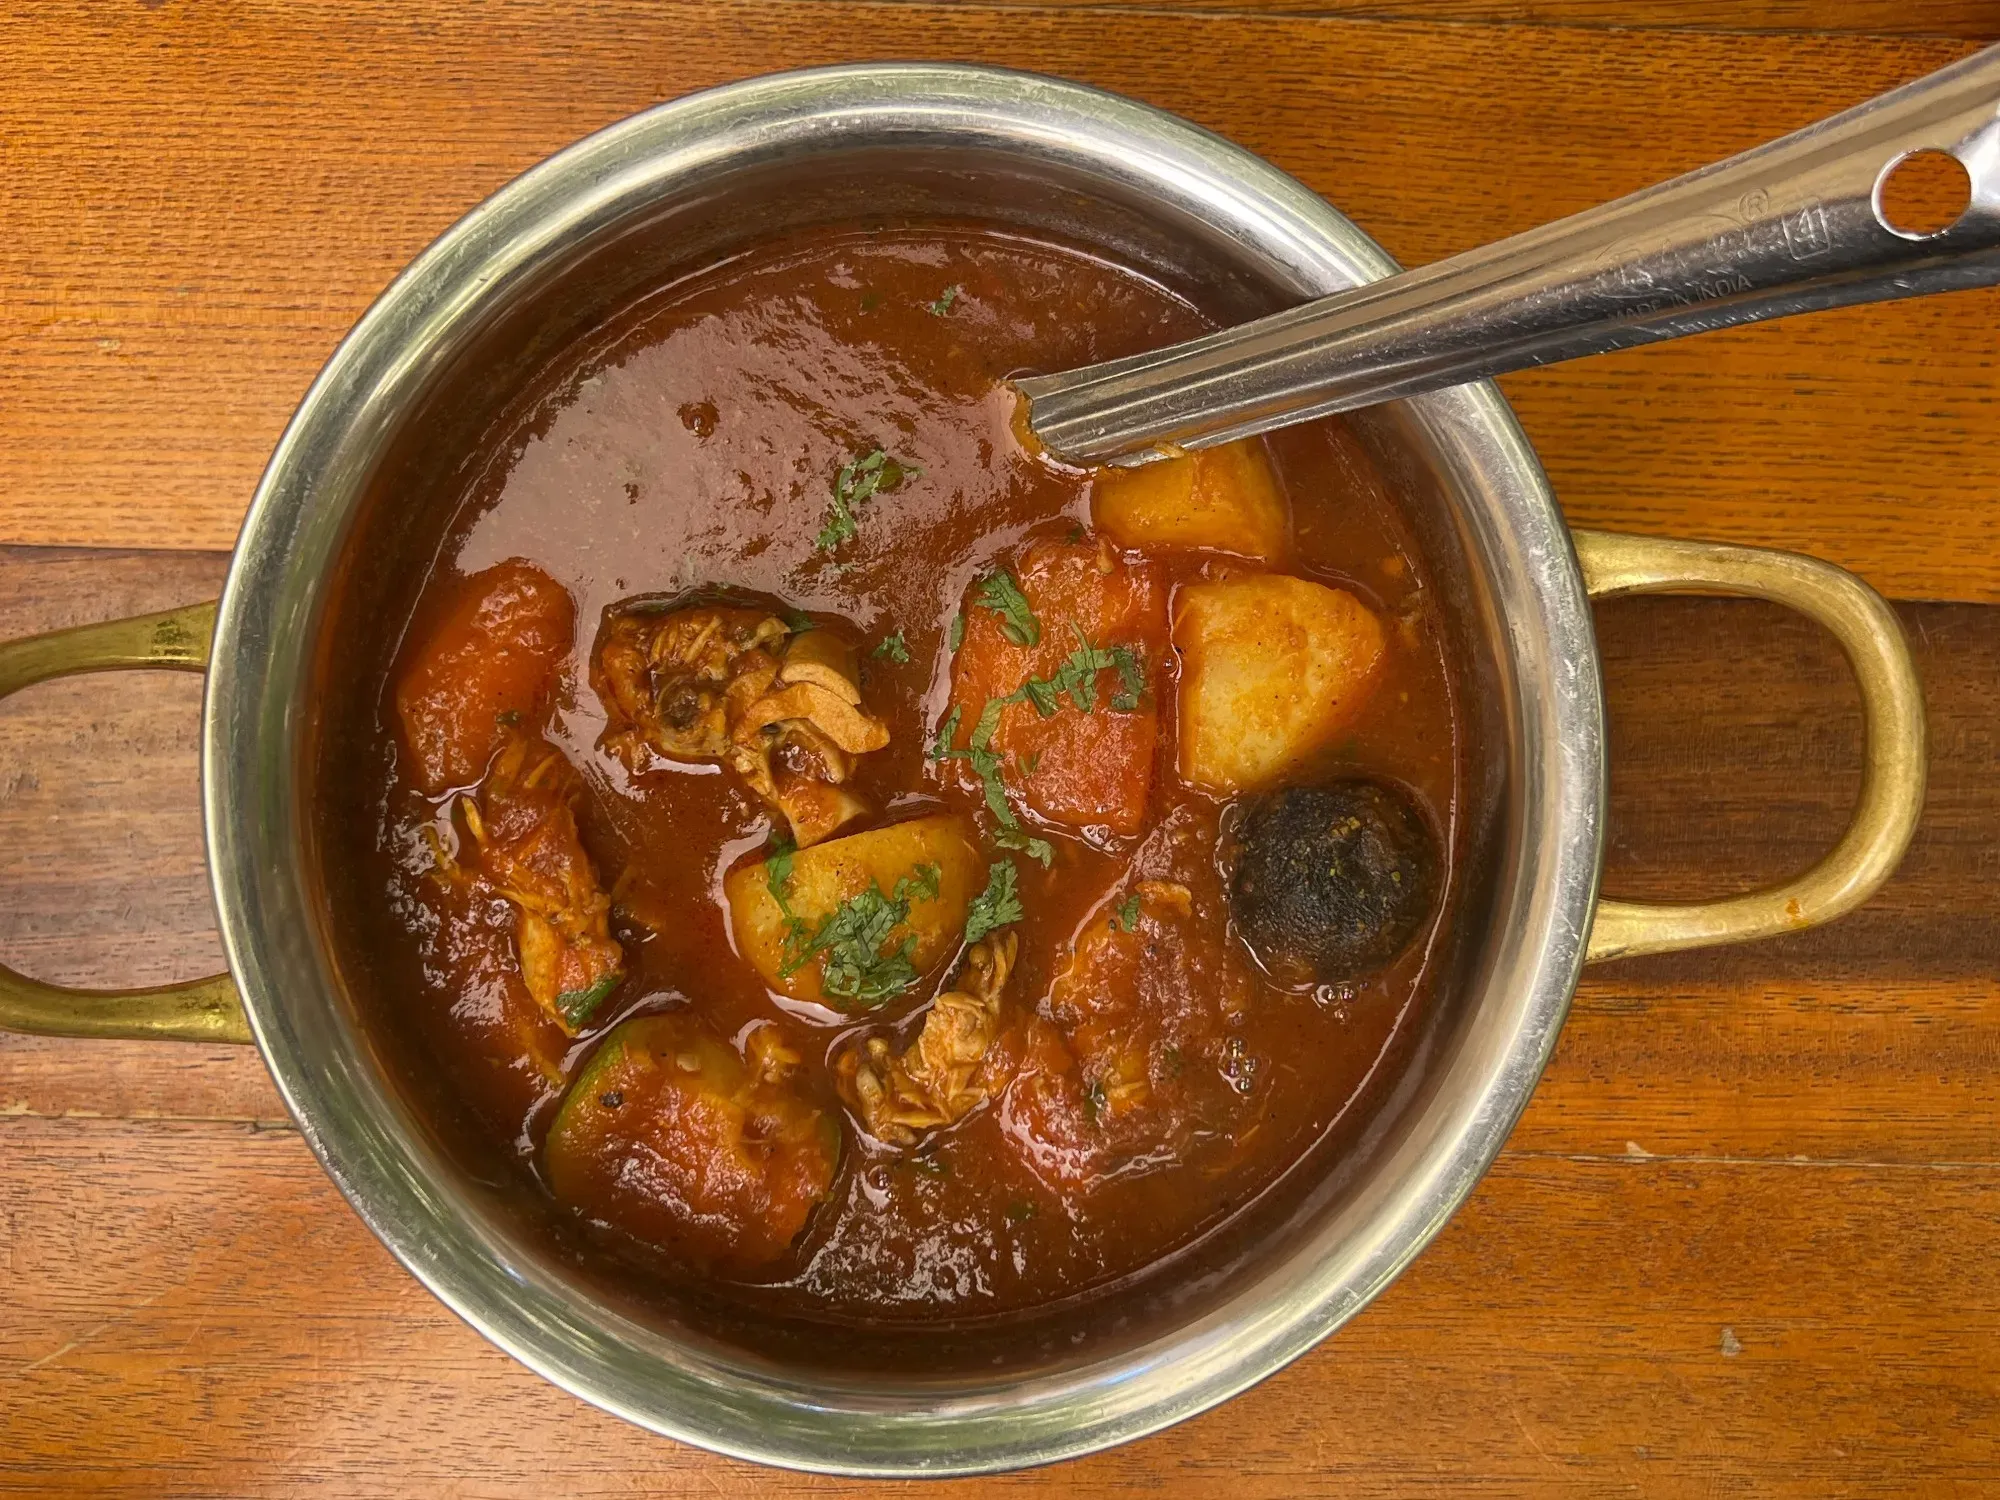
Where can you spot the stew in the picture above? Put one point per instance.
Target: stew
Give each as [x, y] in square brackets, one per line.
[847, 856]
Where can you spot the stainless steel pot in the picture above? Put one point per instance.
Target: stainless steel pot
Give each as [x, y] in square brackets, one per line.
[678, 187]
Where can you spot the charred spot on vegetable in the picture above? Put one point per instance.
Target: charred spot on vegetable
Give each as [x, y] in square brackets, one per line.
[612, 1099]
[1332, 882]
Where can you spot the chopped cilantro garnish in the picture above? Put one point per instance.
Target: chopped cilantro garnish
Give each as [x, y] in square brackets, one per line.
[941, 746]
[892, 647]
[798, 621]
[999, 592]
[1077, 677]
[943, 304]
[999, 905]
[1131, 678]
[1037, 849]
[956, 636]
[853, 936]
[576, 1005]
[858, 481]
[1125, 916]
[985, 760]
[778, 873]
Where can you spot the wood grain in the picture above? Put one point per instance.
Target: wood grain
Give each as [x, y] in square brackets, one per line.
[1973, 20]
[1743, 1239]
[199, 1314]
[202, 199]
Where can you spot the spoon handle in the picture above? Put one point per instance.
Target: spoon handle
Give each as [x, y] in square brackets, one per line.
[1792, 226]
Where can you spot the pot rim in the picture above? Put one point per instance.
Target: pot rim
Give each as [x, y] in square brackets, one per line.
[254, 712]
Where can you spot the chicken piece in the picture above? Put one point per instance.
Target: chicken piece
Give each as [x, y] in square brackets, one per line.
[490, 663]
[670, 1137]
[714, 682]
[666, 678]
[944, 1075]
[1223, 498]
[1273, 667]
[1078, 720]
[1133, 1051]
[821, 924]
[524, 831]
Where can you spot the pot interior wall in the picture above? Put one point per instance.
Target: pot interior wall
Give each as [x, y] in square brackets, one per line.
[411, 494]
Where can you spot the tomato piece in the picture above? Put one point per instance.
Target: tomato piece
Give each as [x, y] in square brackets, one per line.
[1077, 763]
[1135, 1047]
[488, 664]
[668, 1136]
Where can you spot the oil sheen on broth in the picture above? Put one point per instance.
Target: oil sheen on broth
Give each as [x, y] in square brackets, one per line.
[763, 659]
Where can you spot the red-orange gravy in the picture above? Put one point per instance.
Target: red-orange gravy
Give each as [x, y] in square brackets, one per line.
[693, 443]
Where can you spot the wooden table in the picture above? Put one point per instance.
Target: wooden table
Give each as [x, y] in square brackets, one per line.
[1744, 1239]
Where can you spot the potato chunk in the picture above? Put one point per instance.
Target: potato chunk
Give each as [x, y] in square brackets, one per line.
[668, 1136]
[1225, 498]
[820, 924]
[1272, 668]
[1082, 753]
[490, 662]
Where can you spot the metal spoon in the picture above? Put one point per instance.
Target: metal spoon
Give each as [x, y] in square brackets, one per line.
[1788, 227]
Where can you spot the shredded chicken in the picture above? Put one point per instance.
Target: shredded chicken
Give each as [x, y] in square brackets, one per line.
[524, 830]
[942, 1077]
[781, 708]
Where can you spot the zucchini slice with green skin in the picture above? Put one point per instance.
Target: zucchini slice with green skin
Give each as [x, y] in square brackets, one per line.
[668, 1136]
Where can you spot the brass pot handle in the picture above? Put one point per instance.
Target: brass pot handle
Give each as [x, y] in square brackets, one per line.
[1892, 705]
[199, 1010]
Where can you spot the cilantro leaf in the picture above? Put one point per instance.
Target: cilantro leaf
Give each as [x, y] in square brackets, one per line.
[957, 634]
[1125, 916]
[999, 592]
[576, 1005]
[943, 304]
[854, 938]
[941, 746]
[1131, 665]
[857, 481]
[999, 905]
[1036, 849]
[980, 754]
[892, 647]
